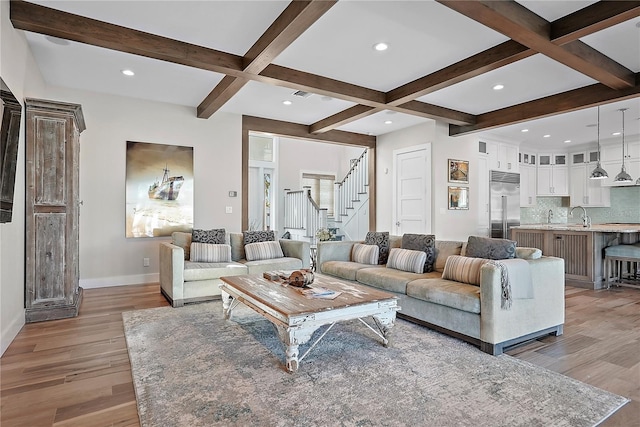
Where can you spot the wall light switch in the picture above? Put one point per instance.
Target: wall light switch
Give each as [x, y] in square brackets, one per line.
[229, 209]
[145, 262]
[233, 194]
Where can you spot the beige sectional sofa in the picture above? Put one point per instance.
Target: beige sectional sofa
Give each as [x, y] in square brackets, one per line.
[184, 281]
[470, 312]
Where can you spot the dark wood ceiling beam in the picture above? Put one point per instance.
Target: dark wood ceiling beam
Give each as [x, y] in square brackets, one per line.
[342, 118]
[573, 100]
[295, 130]
[43, 20]
[435, 112]
[297, 17]
[520, 24]
[593, 18]
[488, 60]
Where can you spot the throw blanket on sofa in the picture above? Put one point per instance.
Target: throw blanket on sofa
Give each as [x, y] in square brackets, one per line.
[515, 279]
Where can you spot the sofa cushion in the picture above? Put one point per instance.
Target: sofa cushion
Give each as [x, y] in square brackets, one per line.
[258, 236]
[444, 249]
[213, 270]
[380, 238]
[490, 248]
[422, 242]
[214, 236]
[528, 253]
[260, 266]
[182, 239]
[446, 292]
[263, 250]
[343, 269]
[365, 254]
[207, 252]
[463, 269]
[388, 279]
[406, 260]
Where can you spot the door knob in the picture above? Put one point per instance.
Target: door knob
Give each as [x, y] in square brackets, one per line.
[397, 223]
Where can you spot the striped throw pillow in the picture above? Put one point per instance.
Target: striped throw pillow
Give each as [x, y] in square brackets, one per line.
[209, 252]
[365, 254]
[406, 260]
[464, 269]
[263, 250]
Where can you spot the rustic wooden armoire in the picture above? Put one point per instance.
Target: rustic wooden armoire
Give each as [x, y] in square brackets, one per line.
[52, 209]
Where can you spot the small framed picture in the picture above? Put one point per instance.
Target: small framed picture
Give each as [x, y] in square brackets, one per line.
[458, 197]
[459, 171]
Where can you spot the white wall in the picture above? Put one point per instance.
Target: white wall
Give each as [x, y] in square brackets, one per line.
[20, 72]
[297, 156]
[107, 258]
[446, 224]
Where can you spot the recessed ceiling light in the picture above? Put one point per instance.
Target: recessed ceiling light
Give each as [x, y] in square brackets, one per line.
[616, 133]
[546, 136]
[566, 141]
[287, 102]
[498, 87]
[388, 122]
[524, 130]
[381, 46]
[128, 73]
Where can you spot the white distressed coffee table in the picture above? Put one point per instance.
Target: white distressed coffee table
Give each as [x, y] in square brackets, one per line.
[296, 317]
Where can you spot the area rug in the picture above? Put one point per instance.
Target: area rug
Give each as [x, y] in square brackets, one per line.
[191, 367]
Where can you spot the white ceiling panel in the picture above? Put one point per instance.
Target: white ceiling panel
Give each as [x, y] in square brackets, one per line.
[525, 80]
[81, 66]
[262, 100]
[422, 37]
[229, 26]
[378, 123]
[620, 43]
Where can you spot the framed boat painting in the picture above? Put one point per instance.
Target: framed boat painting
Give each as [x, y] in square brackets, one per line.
[159, 189]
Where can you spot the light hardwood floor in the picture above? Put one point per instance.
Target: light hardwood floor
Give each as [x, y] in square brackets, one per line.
[76, 372]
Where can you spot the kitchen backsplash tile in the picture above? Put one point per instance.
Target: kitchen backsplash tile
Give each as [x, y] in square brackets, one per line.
[625, 208]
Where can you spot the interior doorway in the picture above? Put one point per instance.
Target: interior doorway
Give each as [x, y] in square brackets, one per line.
[412, 190]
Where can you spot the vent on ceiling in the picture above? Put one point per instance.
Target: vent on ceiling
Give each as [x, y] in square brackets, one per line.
[302, 94]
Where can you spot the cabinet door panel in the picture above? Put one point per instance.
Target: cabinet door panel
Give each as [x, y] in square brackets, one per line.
[49, 256]
[49, 161]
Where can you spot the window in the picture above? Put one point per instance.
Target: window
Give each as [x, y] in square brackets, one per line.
[321, 189]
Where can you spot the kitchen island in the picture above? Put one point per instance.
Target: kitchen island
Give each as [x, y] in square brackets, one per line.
[582, 248]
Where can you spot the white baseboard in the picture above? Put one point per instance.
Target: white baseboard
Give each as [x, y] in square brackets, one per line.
[11, 331]
[105, 282]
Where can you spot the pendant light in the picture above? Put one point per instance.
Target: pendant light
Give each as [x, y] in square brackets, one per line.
[623, 176]
[598, 172]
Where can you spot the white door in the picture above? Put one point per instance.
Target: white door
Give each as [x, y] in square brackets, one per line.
[261, 198]
[412, 190]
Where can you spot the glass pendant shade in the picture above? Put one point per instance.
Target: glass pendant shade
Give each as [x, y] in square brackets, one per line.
[623, 176]
[598, 172]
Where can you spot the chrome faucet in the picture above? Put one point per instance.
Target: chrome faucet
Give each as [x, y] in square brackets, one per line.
[549, 216]
[586, 220]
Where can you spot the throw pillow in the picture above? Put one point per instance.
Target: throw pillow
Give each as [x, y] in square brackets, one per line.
[214, 236]
[209, 252]
[258, 236]
[528, 253]
[406, 260]
[365, 254]
[381, 239]
[263, 250]
[422, 242]
[464, 269]
[485, 247]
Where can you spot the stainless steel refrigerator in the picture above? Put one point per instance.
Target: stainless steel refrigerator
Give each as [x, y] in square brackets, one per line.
[504, 203]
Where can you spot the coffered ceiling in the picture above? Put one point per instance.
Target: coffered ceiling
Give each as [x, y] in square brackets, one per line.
[557, 61]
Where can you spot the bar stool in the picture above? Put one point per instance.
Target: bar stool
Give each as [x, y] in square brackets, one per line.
[623, 263]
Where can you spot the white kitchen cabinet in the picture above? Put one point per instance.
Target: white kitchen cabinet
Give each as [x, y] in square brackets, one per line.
[587, 192]
[552, 175]
[611, 156]
[527, 158]
[527, 185]
[580, 157]
[501, 156]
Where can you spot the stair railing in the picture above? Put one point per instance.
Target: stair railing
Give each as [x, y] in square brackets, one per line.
[352, 186]
[303, 213]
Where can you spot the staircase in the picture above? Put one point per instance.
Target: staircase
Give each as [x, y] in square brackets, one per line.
[303, 217]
